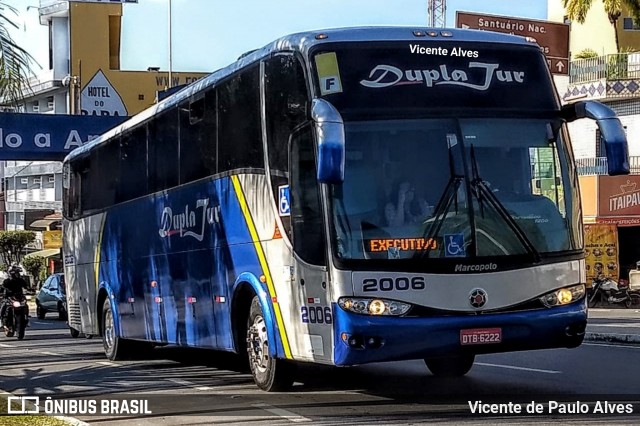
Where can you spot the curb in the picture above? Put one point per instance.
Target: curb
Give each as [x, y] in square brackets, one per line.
[633, 339]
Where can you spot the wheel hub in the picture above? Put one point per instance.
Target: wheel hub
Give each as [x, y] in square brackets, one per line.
[109, 330]
[258, 345]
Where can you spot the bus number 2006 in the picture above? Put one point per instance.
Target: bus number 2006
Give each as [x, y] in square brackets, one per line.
[390, 284]
[316, 315]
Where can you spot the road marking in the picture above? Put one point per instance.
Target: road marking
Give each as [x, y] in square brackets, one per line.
[108, 363]
[618, 345]
[620, 325]
[50, 353]
[189, 384]
[292, 417]
[2, 345]
[181, 382]
[512, 367]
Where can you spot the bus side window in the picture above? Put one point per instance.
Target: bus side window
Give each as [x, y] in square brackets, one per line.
[198, 137]
[286, 104]
[133, 165]
[163, 151]
[239, 130]
[306, 212]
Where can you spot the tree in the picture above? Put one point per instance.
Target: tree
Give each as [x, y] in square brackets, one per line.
[12, 244]
[577, 11]
[15, 62]
[35, 265]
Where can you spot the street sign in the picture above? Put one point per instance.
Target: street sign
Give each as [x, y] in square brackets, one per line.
[553, 37]
[49, 137]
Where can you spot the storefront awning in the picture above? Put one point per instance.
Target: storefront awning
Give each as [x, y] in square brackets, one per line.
[45, 253]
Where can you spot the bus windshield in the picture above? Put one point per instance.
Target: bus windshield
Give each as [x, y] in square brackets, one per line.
[452, 188]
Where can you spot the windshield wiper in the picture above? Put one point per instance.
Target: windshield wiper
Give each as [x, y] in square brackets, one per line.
[482, 192]
[442, 208]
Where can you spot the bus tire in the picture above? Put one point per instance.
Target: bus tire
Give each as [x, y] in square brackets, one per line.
[270, 374]
[452, 366]
[74, 333]
[115, 348]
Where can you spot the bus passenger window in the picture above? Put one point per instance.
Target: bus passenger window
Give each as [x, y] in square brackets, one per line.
[163, 152]
[239, 131]
[286, 102]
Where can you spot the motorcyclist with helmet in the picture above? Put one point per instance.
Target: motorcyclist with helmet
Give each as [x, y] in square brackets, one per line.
[13, 287]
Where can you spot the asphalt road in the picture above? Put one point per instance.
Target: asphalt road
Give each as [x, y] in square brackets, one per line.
[203, 387]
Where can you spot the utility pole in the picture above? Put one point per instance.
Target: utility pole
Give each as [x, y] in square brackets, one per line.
[437, 13]
[170, 50]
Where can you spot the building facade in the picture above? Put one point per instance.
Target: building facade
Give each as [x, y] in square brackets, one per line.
[82, 76]
[610, 204]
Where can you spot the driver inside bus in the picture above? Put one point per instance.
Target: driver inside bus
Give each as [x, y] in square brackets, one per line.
[406, 208]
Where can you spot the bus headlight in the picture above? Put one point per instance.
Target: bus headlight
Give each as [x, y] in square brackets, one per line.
[376, 307]
[563, 296]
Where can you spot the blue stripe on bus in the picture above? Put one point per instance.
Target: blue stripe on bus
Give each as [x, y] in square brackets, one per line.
[153, 276]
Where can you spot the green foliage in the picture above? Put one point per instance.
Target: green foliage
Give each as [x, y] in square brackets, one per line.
[12, 244]
[15, 62]
[617, 66]
[577, 11]
[36, 267]
[586, 54]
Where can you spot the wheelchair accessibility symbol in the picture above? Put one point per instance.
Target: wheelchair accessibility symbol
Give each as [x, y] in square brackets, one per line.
[454, 245]
[284, 206]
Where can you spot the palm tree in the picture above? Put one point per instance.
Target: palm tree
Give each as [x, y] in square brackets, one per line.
[577, 10]
[15, 62]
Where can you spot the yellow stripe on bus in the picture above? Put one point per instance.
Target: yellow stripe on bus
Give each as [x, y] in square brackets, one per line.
[263, 264]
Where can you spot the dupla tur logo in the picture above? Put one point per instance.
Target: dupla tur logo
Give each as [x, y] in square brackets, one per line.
[387, 75]
[189, 222]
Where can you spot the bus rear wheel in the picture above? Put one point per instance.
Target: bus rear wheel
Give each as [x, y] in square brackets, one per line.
[270, 374]
[451, 366]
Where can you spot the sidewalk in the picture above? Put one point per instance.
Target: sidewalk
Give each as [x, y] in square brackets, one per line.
[614, 325]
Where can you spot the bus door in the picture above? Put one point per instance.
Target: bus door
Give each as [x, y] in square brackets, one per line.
[312, 317]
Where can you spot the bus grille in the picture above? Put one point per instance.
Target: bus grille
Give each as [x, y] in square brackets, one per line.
[74, 314]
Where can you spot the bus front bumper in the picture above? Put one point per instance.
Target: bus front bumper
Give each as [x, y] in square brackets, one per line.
[360, 339]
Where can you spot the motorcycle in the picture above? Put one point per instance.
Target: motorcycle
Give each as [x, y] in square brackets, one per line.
[607, 290]
[15, 317]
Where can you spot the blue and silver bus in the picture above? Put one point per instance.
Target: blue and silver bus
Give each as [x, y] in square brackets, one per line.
[340, 197]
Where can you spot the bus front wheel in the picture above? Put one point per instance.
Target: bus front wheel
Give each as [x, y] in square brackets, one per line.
[452, 366]
[115, 348]
[270, 374]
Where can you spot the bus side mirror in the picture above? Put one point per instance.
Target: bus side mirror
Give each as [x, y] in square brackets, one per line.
[331, 151]
[611, 130]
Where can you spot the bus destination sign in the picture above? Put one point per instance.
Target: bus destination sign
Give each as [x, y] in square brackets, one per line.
[553, 37]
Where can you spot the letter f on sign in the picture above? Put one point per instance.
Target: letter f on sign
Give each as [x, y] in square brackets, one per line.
[330, 85]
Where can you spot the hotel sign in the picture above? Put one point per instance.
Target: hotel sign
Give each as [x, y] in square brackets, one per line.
[552, 37]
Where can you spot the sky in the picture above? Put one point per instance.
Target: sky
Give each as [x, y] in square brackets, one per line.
[210, 34]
